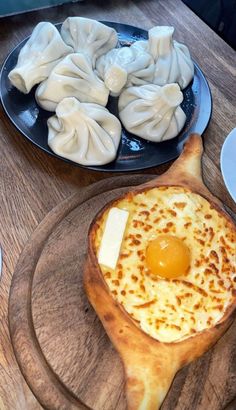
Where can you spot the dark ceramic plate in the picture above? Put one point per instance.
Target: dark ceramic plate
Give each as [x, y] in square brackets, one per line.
[134, 153]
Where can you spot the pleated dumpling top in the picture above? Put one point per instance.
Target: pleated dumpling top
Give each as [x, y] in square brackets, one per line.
[41, 53]
[152, 112]
[173, 63]
[84, 133]
[74, 76]
[126, 66]
[88, 36]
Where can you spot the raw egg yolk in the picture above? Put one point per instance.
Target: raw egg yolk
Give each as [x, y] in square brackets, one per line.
[168, 256]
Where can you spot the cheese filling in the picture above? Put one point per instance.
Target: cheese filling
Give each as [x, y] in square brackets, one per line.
[173, 309]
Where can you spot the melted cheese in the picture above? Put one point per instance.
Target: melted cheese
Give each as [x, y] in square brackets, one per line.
[171, 310]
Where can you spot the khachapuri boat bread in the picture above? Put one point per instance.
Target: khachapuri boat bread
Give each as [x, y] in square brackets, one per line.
[176, 266]
[41, 53]
[161, 275]
[72, 77]
[83, 132]
[152, 112]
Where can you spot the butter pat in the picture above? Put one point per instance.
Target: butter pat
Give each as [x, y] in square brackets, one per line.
[112, 237]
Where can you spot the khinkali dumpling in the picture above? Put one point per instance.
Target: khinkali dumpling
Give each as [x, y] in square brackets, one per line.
[172, 59]
[72, 77]
[88, 36]
[126, 66]
[44, 49]
[84, 133]
[152, 112]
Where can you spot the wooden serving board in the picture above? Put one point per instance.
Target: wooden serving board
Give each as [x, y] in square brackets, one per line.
[60, 344]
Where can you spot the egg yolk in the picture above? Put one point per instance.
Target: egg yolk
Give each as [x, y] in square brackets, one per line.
[168, 256]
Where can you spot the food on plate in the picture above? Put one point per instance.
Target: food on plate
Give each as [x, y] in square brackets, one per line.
[44, 49]
[152, 112]
[85, 133]
[176, 268]
[72, 77]
[172, 59]
[172, 292]
[86, 61]
[126, 66]
[88, 36]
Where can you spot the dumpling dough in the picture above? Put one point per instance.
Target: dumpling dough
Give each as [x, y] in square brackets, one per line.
[88, 36]
[84, 133]
[126, 66]
[72, 77]
[44, 49]
[172, 59]
[152, 112]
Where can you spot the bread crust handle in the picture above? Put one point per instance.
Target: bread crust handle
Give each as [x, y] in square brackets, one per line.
[189, 161]
[148, 380]
[186, 171]
[149, 365]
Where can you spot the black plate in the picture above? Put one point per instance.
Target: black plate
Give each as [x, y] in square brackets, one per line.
[134, 153]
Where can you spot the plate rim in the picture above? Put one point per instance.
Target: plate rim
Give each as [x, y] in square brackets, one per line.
[226, 143]
[105, 168]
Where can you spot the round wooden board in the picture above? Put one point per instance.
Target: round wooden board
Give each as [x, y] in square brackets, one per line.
[60, 345]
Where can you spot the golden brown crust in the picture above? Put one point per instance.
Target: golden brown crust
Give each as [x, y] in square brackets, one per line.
[150, 365]
[186, 170]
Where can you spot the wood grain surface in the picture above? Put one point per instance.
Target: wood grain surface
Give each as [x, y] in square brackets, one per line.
[32, 183]
[61, 346]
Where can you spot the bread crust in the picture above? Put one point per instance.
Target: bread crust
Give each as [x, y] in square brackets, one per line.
[150, 365]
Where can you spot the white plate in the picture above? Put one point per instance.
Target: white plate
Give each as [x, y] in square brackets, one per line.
[228, 163]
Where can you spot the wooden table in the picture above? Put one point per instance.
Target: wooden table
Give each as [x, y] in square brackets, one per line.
[32, 182]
